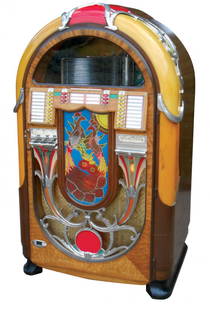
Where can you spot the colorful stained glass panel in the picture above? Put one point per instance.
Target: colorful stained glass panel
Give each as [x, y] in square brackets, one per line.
[86, 156]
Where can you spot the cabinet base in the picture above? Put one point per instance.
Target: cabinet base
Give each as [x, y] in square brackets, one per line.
[164, 289]
[31, 269]
[156, 289]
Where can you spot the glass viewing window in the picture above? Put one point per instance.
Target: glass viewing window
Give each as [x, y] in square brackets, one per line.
[86, 60]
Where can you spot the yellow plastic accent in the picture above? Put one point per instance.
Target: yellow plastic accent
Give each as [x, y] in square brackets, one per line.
[34, 43]
[168, 167]
[102, 120]
[160, 58]
[168, 170]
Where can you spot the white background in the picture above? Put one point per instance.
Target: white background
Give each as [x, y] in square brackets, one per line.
[20, 20]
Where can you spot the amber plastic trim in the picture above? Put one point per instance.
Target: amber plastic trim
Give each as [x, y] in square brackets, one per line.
[168, 166]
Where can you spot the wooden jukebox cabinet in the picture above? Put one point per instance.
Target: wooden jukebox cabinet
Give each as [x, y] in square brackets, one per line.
[105, 119]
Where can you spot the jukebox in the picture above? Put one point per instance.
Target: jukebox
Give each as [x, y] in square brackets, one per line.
[105, 98]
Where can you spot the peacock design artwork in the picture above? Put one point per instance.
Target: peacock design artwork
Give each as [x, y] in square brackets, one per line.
[86, 156]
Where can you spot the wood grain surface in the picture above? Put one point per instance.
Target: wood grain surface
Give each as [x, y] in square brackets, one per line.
[135, 266]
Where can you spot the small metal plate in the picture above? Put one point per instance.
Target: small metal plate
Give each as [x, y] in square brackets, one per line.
[133, 144]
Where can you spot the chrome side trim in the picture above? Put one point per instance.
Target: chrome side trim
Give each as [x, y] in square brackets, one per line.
[162, 107]
[20, 100]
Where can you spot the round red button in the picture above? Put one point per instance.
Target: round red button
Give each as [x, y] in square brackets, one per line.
[88, 241]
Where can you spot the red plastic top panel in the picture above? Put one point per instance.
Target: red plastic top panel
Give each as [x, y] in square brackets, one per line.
[93, 14]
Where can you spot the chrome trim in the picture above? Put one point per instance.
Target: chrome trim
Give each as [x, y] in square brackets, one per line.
[163, 108]
[125, 152]
[131, 144]
[129, 184]
[113, 227]
[47, 176]
[109, 17]
[64, 221]
[104, 220]
[131, 192]
[19, 100]
[65, 17]
[72, 252]
[43, 137]
[69, 248]
[164, 38]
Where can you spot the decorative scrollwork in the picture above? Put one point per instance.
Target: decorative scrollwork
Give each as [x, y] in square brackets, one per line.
[95, 222]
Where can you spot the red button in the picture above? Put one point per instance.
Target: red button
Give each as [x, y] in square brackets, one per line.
[88, 241]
